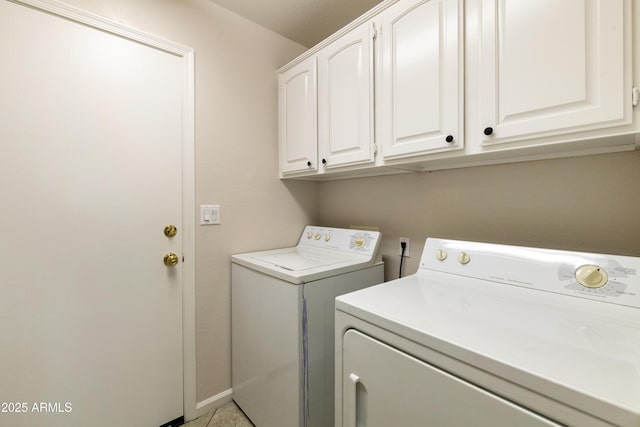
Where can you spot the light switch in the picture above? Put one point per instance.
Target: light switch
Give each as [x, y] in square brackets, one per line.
[209, 214]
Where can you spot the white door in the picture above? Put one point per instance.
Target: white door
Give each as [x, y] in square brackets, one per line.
[384, 387]
[90, 164]
[345, 99]
[298, 122]
[422, 81]
[551, 67]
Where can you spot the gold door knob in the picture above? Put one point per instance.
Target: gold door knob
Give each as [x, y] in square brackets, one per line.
[170, 230]
[170, 259]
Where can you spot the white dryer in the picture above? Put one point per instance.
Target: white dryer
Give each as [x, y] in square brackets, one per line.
[493, 335]
[282, 330]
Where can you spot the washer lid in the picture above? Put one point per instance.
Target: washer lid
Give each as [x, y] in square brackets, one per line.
[580, 352]
[300, 259]
[302, 265]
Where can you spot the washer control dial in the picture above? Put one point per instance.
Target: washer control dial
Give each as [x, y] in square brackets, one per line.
[317, 236]
[327, 237]
[309, 234]
[441, 255]
[591, 276]
[358, 242]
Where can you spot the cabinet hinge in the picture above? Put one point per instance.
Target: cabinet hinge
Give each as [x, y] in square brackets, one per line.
[374, 31]
[635, 95]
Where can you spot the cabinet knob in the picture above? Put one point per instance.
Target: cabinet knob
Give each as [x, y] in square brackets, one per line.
[449, 139]
[488, 131]
[309, 163]
[324, 161]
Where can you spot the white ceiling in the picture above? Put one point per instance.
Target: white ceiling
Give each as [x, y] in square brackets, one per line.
[304, 21]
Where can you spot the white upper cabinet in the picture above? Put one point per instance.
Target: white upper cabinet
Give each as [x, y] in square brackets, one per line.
[345, 99]
[417, 85]
[421, 101]
[298, 122]
[550, 67]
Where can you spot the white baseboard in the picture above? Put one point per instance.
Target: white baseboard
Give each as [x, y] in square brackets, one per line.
[213, 403]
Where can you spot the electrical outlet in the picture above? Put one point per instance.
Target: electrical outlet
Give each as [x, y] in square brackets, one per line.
[407, 250]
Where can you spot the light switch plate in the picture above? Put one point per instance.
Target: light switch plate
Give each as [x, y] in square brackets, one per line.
[209, 214]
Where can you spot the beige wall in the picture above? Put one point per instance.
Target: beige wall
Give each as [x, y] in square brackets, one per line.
[236, 153]
[589, 203]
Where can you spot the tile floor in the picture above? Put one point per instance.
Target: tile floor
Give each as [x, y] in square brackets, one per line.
[228, 415]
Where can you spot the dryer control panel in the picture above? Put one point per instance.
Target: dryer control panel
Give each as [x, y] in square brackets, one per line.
[607, 278]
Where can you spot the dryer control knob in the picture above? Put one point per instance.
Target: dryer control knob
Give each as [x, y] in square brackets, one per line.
[309, 234]
[464, 258]
[317, 236]
[327, 237]
[441, 255]
[591, 276]
[358, 242]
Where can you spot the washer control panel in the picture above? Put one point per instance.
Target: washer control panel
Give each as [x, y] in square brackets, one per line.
[608, 278]
[342, 239]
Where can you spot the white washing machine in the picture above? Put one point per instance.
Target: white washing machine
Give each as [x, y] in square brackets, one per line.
[493, 335]
[282, 330]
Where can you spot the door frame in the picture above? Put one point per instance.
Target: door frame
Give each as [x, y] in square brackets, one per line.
[188, 170]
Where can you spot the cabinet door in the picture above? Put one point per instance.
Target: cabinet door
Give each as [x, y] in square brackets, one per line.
[345, 103]
[384, 387]
[297, 112]
[422, 80]
[550, 67]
